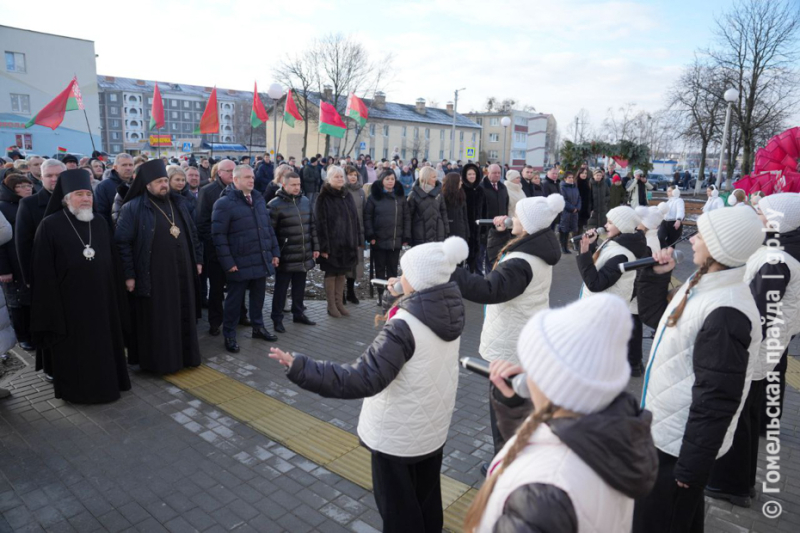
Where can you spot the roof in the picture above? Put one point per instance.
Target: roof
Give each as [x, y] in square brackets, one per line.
[115, 83]
[45, 33]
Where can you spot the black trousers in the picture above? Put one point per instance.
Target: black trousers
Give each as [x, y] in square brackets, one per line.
[385, 263]
[408, 493]
[635, 343]
[216, 292]
[235, 299]
[667, 234]
[735, 472]
[282, 281]
[21, 322]
[669, 508]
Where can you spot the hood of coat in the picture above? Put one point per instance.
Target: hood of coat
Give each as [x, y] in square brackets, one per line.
[7, 195]
[327, 190]
[440, 308]
[122, 189]
[616, 443]
[282, 194]
[353, 186]
[434, 192]
[636, 242]
[478, 175]
[377, 192]
[791, 243]
[542, 244]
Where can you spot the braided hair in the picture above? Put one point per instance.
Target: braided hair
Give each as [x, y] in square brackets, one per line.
[678, 311]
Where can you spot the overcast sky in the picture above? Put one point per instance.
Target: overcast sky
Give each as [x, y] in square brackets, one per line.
[557, 55]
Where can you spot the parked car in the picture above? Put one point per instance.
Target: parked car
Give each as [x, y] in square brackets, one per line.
[660, 181]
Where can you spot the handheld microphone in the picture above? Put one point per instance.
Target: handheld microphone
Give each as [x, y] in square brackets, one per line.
[508, 223]
[576, 240]
[677, 255]
[481, 367]
[398, 287]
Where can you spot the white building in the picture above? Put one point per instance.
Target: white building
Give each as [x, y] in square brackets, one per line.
[529, 139]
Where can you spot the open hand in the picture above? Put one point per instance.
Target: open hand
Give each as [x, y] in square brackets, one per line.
[284, 358]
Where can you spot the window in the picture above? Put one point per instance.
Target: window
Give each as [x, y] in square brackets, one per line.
[451, 135]
[519, 137]
[116, 148]
[372, 153]
[494, 137]
[198, 105]
[187, 116]
[198, 116]
[521, 121]
[115, 123]
[174, 115]
[187, 128]
[386, 153]
[404, 132]
[21, 103]
[441, 135]
[416, 133]
[385, 130]
[441, 154]
[150, 100]
[493, 154]
[403, 151]
[427, 153]
[186, 104]
[15, 62]
[114, 135]
[473, 136]
[461, 136]
[479, 121]
[427, 133]
[372, 130]
[173, 103]
[112, 97]
[113, 110]
[494, 121]
[518, 154]
[174, 127]
[24, 141]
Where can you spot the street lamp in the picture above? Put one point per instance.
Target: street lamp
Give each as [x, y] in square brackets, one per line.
[453, 141]
[731, 96]
[275, 92]
[505, 121]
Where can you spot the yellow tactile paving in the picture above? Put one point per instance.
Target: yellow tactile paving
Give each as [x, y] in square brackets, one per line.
[221, 391]
[454, 514]
[355, 466]
[323, 444]
[252, 406]
[793, 373]
[452, 490]
[286, 423]
[189, 378]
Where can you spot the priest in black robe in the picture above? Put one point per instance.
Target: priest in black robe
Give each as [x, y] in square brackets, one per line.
[77, 310]
[162, 260]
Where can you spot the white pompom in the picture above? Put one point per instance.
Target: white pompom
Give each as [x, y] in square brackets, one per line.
[555, 202]
[663, 207]
[455, 250]
[642, 211]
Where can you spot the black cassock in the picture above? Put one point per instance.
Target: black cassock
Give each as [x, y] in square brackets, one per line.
[165, 322]
[76, 309]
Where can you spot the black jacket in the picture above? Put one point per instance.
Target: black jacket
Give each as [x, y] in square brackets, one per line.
[771, 280]
[572, 197]
[457, 220]
[293, 221]
[585, 191]
[209, 194]
[600, 198]
[387, 220]
[272, 190]
[511, 277]
[264, 176]
[496, 205]
[531, 189]
[719, 359]
[9, 204]
[476, 204]
[607, 276]
[312, 179]
[337, 224]
[29, 215]
[119, 199]
[442, 310]
[191, 201]
[134, 237]
[104, 195]
[550, 187]
[428, 215]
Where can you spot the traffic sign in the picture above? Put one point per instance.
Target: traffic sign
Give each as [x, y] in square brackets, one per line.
[362, 146]
[187, 147]
[470, 154]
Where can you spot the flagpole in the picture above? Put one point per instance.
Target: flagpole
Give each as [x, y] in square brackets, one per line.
[89, 129]
[279, 137]
[250, 146]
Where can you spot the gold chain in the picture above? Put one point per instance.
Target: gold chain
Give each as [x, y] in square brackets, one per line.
[171, 211]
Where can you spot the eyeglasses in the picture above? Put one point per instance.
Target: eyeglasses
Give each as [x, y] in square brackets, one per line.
[24, 186]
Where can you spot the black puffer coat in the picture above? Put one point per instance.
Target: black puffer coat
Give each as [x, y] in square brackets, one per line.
[496, 205]
[9, 203]
[601, 196]
[585, 191]
[428, 215]
[387, 220]
[458, 221]
[337, 224]
[293, 221]
[476, 206]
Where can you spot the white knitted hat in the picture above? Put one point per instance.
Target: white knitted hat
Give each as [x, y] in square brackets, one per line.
[782, 210]
[652, 215]
[731, 235]
[431, 264]
[538, 212]
[624, 218]
[512, 174]
[582, 373]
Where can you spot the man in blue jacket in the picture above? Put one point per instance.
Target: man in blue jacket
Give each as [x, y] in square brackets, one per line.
[265, 173]
[247, 251]
[122, 172]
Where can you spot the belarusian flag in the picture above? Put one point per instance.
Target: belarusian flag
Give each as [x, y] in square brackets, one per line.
[62, 150]
[209, 122]
[290, 112]
[356, 110]
[330, 123]
[258, 115]
[52, 115]
[157, 113]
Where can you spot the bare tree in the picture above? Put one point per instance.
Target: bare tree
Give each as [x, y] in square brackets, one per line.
[579, 129]
[507, 104]
[757, 47]
[491, 103]
[298, 72]
[621, 124]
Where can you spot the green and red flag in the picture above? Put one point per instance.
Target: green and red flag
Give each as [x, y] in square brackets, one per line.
[209, 122]
[258, 115]
[356, 110]
[330, 123]
[62, 150]
[290, 112]
[157, 112]
[52, 115]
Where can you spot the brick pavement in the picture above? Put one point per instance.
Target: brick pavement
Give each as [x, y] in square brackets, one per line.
[163, 460]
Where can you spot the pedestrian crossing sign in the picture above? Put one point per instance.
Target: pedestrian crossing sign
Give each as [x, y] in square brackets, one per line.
[470, 153]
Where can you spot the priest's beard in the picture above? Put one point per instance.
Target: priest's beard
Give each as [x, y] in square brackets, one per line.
[84, 215]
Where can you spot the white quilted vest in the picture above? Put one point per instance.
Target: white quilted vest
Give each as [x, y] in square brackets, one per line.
[503, 322]
[411, 416]
[670, 371]
[790, 304]
[599, 508]
[624, 285]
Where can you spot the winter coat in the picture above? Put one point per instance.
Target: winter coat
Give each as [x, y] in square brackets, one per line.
[676, 210]
[572, 207]
[457, 220]
[265, 173]
[293, 221]
[9, 262]
[599, 203]
[604, 276]
[202, 215]
[29, 215]
[119, 198]
[311, 179]
[205, 175]
[429, 222]
[134, 237]
[513, 292]
[476, 206]
[408, 376]
[407, 181]
[531, 189]
[387, 220]
[359, 198]
[243, 235]
[550, 187]
[585, 191]
[637, 192]
[8, 338]
[698, 373]
[616, 197]
[272, 191]
[576, 474]
[496, 205]
[338, 229]
[714, 202]
[515, 194]
[104, 195]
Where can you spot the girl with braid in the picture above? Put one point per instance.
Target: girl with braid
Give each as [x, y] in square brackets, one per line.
[581, 458]
[701, 364]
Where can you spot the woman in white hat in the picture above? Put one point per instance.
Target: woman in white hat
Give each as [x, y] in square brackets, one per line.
[408, 377]
[701, 364]
[578, 462]
[714, 201]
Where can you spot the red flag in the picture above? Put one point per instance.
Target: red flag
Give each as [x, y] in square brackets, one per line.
[52, 115]
[209, 122]
[258, 114]
[621, 162]
[157, 112]
[290, 112]
[330, 123]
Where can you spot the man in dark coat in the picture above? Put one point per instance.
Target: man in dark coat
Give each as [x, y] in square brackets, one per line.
[121, 173]
[312, 179]
[496, 198]
[161, 259]
[205, 172]
[531, 182]
[550, 186]
[247, 251]
[293, 222]
[78, 309]
[265, 173]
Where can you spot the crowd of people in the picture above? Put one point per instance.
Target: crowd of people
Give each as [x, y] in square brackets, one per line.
[102, 270]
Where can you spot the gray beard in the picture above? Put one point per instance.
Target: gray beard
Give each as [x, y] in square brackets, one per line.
[84, 215]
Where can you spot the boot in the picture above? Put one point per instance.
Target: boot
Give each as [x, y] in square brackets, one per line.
[563, 238]
[330, 295]
[380, 296]
[351, 291]
[339, 292]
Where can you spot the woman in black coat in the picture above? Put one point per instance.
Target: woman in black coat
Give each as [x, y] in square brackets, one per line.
[585, 190]
[476, 207]
[387, 225]
[428, 212]
[456, 203]
[338, 235]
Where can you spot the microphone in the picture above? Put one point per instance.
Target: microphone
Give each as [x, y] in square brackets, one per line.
[481, 367]
[576, 240]
[508, 223]
[398, 287]
[677, 255]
